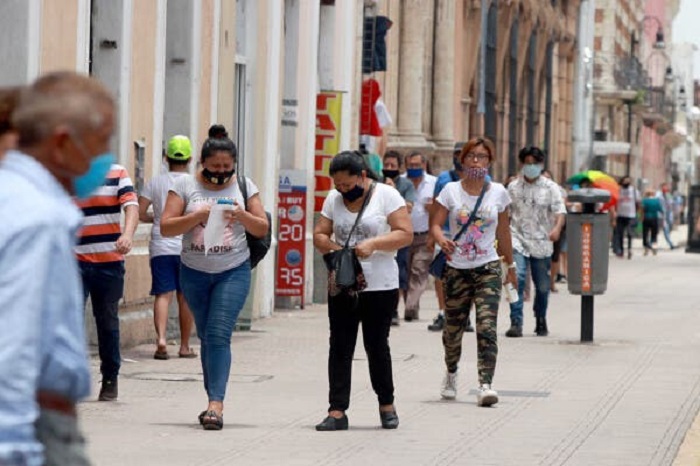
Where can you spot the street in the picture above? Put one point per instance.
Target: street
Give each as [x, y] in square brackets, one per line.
[627, 399]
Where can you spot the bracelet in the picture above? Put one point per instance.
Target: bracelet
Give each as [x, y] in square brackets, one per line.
[513, 266]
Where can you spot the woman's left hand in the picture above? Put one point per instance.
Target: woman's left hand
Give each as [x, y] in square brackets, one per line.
[512, 278]
[235, 215]
[364, 249]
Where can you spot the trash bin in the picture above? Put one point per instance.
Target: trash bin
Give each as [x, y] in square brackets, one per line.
[588, 240]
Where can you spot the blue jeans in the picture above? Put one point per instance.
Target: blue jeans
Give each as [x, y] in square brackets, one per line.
[540, 276]
[216, 299]
[104, 284]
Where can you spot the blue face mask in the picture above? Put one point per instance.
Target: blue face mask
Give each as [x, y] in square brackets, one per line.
[85, 184]
[532, 170]
[414, 172]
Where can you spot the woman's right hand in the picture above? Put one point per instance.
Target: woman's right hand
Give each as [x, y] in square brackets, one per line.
[202, 213]
[447, 246]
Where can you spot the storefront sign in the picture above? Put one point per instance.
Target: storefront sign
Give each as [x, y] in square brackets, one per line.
[328, 109]
[291, 234]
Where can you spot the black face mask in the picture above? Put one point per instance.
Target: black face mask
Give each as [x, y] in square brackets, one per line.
[457, 164]
[217, 177]
[354, 194]
[625, 185]
[390, 173]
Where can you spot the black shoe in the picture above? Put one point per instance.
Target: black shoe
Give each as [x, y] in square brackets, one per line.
[390, 420]
[515, 331]
[330, 423]
[438, 323]
[109, 390]
[468, 327]
[541, 329]
[395, 319]
[537, 325]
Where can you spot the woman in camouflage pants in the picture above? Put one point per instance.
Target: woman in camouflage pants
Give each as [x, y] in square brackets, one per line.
[473, 272]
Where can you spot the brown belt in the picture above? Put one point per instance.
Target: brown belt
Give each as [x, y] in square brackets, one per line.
[55, 402]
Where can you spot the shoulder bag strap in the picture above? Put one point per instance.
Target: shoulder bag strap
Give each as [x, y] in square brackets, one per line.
[244, 189]
[359, 214]
[473, 214]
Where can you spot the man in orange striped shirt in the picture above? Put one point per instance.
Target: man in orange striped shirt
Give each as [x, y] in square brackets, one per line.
[100, 252]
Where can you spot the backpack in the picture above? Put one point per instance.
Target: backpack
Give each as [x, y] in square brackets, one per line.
[258, 246]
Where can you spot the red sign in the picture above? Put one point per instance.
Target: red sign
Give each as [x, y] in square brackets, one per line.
[586, 257]
[291, 234]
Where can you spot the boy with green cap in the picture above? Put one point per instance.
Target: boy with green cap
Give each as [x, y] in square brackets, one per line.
[165, 251]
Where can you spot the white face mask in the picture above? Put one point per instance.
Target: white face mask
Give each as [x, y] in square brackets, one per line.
[532, 170]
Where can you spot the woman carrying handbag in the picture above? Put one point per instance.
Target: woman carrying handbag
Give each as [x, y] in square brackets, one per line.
[478, 216]
[370, 219]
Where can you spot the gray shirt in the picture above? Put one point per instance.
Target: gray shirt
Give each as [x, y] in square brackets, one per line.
[406, 189]
[234, 249]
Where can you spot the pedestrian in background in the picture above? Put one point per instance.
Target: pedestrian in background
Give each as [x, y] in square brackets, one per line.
[100, 251]
[419, 254]
[383, 228]
[64, 122]
[627, 208]
[473, 273]
[558, 246]
[666, 216]
[165, 252]
[215, 282]
[9, 98]
[447, 176]
[537, 218]
[393, 162]
[652, 214]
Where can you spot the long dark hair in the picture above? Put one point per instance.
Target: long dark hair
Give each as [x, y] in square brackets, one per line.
[212, 145]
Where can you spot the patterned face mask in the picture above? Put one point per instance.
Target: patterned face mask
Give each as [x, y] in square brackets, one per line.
[475, 173]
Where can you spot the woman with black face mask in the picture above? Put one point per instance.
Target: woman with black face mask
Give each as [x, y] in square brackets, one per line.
[216, 281]
[384, 227]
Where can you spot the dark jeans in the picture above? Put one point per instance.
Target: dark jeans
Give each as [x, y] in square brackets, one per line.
[374, 310]
[540, 276]
[650, 230]
[104, 284]
[623, 226]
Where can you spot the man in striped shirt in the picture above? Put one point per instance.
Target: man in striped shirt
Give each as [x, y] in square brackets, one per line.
[100, 252]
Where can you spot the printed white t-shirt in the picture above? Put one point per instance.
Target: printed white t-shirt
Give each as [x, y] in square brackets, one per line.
[234, 250]
[476, 246]
[156, 191]
[380, 269]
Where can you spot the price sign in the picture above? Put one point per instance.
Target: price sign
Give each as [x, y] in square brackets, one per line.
[291, 234]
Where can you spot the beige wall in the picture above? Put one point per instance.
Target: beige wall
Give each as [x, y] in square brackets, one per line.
[206, 71]
[226, 69]
[142, 83]
[59, 35]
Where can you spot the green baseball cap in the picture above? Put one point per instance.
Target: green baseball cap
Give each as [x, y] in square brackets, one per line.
[179, 148]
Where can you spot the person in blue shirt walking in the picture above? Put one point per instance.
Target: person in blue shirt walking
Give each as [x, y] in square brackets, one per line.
[652, 211]
[64, 122]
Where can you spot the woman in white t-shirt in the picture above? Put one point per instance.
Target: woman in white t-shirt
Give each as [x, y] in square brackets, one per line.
[215, 282]
[384, 227]
[473, 272]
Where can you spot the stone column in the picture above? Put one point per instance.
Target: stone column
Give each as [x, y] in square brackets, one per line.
[443, 75]
[412, 72]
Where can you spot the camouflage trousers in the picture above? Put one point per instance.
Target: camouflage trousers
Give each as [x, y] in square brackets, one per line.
[481, 286]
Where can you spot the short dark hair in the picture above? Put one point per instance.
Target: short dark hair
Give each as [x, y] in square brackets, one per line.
[458, 147]
[392, 154]
[534, 151]
[348, 161]
[212, 145]
[218, 131]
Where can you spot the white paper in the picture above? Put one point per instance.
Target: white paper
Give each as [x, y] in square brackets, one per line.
[216, 224]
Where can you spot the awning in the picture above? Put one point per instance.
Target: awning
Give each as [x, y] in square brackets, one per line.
[610, 147]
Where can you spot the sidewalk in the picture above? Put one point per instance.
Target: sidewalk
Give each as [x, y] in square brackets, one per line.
[627, 399]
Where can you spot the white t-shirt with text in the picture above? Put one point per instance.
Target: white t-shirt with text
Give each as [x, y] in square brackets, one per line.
[234, 250]
[627, 203]
[380, 269]
[156, 191]
[476, 246]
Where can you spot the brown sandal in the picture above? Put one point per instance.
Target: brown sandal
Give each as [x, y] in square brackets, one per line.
[212, 421]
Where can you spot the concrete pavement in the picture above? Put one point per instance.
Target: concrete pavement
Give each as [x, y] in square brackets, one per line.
[627, 399]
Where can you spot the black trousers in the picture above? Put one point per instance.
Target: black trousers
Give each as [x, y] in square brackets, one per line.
[373, 309]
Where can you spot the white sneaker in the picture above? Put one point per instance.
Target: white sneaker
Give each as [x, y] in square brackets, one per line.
[449, 386]
[487, 396]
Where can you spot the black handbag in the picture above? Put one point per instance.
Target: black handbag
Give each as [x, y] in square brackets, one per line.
[345, 270]
[437, 266]
[258, 246]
